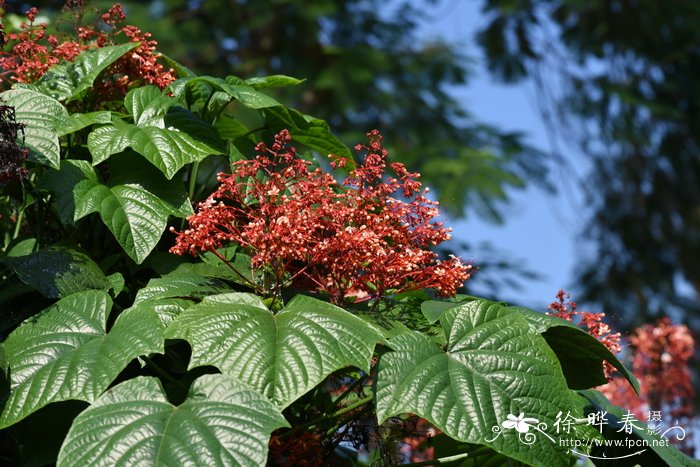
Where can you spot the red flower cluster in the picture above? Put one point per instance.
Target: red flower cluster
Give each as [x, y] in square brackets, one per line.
[34, 52]
[350, 242]
[589, 321]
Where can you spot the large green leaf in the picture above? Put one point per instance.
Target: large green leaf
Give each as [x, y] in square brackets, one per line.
[283, 356]
[41, 116]
[66, 353]
[222, 423]
[68, 81]
[134, 206]
[169, 137]
[494, 365]
[166, 308]
[58, 271]
[580, 354]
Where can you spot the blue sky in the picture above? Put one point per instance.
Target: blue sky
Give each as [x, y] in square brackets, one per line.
[541, 228]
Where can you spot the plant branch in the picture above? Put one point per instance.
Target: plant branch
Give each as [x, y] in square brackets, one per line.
[221, 257]
[350, 388]
[331, 416]
[161, 372]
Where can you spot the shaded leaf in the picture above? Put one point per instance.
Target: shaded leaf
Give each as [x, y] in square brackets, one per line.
[58, 271]
[641, 446]
[580, 354]
[312, 132]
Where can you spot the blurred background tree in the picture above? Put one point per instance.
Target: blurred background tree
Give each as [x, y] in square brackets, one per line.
[619, 79]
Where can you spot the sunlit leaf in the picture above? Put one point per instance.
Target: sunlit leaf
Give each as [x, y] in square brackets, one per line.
[222, 423]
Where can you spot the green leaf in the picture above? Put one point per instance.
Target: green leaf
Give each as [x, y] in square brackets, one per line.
[246, 95]
[68, 81]
[148, 105]
[494, 365]
[66, 353]
[78, 121]
[116, 283]
[273, 81]
[230, 128]
[480, 456]
[169, 143]
[41, 116]
[58, 271]
[222, 423]
[284, 355]
[166, 308]
[134, 206]
[655, 450]
[581, 355]
[312, 132]
[180, 70]
[21, 248]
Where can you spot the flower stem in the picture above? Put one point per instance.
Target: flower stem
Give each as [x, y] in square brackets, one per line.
[194, 168]
[248, 281]
[447, 459]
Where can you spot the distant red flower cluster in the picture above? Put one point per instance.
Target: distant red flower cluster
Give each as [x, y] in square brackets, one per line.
[591, 322]
[354, 241]
[660, 354]
[660, 360]
[34, 51]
